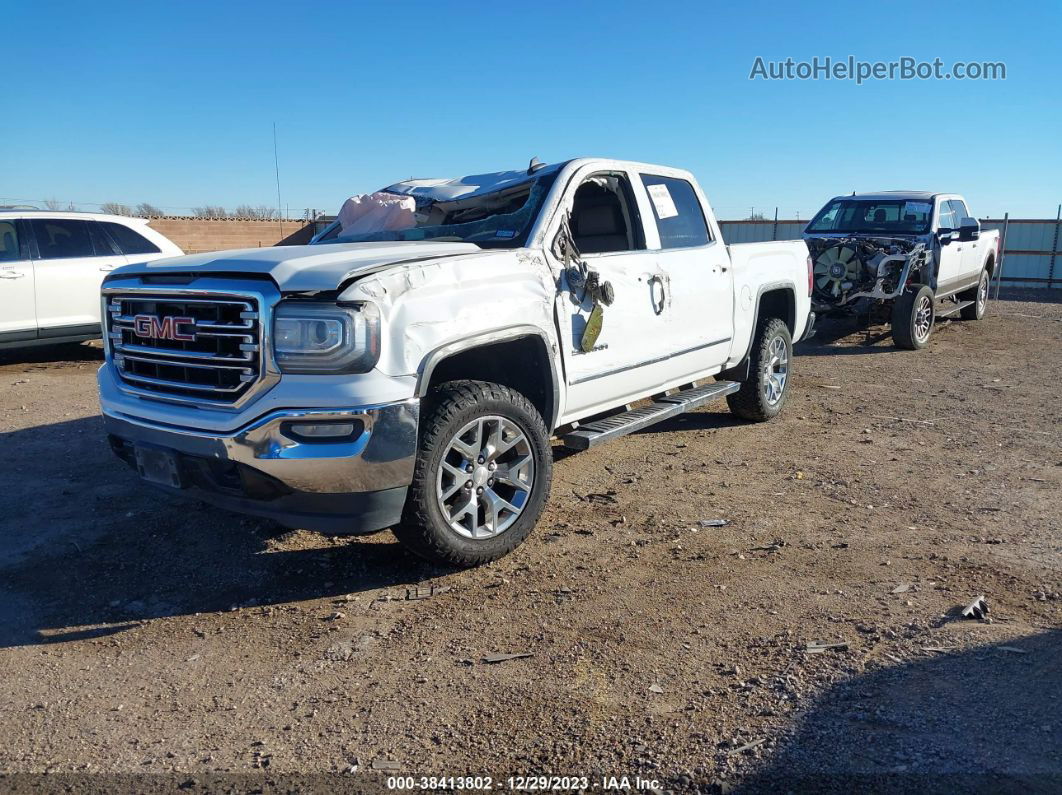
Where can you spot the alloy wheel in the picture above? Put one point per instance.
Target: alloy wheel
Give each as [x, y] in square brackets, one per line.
[775, 371]
[923, 320]
[485, 477]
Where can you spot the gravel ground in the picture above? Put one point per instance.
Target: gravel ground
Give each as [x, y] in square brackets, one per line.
[170, 643]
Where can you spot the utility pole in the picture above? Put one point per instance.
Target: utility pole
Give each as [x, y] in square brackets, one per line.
[276, 165]
[1054, 249]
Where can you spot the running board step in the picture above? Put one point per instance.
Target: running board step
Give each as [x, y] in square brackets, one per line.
[954, 309]
[594, 433]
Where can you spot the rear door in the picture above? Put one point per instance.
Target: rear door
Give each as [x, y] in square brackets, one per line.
[18, 316]
[699, 321]
[72, 258]
[972, 250]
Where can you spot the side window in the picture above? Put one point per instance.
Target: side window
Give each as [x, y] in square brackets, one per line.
[62, 238]
[959, 209]
[605, 216]
[101, 244]
[947, 217]
[9, 246]
[829, 219]
[128, 240]
[679, 217]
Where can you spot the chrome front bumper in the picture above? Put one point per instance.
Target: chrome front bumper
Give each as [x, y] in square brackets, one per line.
[356, 484]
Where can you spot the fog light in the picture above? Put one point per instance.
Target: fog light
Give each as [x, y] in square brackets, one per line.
[322, 430]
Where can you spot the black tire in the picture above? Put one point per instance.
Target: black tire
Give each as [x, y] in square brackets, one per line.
[909, 329]
[979, 296]
[751, 402]
[424, 528]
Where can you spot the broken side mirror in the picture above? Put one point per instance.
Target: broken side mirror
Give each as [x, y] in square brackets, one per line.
[969, 229]
[564, 248]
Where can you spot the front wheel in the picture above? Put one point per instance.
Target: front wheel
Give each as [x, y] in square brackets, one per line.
[762, 396]
[482, 475]
[913, 314]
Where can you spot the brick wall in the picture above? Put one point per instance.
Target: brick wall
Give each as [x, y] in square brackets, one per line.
[207, 234]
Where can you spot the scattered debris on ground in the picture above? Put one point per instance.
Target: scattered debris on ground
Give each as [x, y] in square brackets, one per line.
[978, 608]
[499, 658]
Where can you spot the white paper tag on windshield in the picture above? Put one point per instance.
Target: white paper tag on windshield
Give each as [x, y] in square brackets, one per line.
[665, 207]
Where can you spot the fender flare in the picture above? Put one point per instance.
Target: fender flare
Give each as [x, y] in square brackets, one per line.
[740, 371]
[990, 256]
[481, 339]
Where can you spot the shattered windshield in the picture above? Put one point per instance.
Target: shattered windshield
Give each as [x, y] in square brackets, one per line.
[493, 219]
[865, 215]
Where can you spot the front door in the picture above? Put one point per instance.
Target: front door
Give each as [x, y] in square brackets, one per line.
[73, 257]
[601, 353]
[18, 317]
[949, 256]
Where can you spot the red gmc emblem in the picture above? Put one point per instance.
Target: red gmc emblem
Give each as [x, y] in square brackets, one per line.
[153, 327]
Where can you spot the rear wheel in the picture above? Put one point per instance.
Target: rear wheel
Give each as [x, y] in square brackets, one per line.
[912, 318]
[482, 475]
[762, 396]
[979, 296]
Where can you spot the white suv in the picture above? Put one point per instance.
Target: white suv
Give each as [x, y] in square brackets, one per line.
[52, 265]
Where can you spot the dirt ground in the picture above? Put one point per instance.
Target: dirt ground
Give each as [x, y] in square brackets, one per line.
[167, 643]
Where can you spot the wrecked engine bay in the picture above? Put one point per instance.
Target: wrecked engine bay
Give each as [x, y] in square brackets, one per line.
[846, 269]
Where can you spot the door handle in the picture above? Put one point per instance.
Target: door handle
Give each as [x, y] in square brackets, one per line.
[653, 282]
[107, 268]
[11, 274]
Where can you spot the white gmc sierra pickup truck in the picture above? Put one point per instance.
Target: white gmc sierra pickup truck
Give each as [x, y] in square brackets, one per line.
[409, 367]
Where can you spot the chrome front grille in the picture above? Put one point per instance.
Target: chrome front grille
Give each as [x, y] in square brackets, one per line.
[202, 347]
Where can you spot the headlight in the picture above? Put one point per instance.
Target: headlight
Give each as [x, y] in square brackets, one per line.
[326, 338]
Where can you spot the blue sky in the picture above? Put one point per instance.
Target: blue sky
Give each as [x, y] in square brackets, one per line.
[173, 103]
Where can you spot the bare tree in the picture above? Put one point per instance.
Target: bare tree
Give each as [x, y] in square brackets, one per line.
[210, 211]
[755, 216]
[53, 204]
[114, 208]
[145, 210]
[262, 212]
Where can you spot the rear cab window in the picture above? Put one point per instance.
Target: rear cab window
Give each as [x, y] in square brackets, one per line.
[679, 216]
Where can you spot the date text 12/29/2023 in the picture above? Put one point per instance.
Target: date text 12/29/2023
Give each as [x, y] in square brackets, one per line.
[530, 783]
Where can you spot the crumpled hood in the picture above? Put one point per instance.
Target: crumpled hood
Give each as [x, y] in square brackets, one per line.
[305, 268]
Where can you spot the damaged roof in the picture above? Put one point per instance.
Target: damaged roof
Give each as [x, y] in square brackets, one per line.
[472, 185]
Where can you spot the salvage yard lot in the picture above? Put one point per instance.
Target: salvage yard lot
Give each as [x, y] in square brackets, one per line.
[143, 634]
